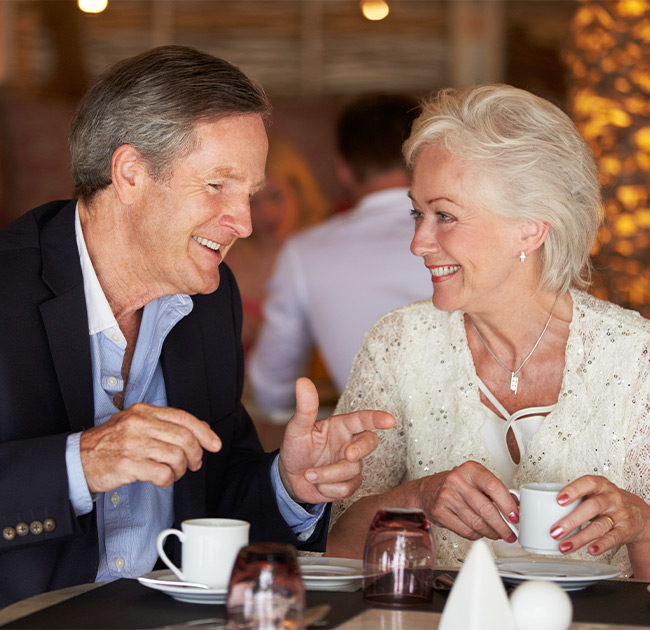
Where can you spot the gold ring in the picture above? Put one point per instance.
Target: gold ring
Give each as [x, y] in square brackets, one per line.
[611, 520]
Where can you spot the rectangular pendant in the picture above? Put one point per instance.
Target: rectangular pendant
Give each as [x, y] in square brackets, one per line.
[514, 380]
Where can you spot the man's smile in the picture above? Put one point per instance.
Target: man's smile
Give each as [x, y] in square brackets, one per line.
[207, 243]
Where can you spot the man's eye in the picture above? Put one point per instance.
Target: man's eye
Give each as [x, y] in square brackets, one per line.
[216, 186]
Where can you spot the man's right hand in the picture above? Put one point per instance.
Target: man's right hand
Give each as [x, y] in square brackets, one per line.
[144, 443]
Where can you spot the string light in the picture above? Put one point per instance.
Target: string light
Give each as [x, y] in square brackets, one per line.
[92, 6]
[374, 9]
[609, 64]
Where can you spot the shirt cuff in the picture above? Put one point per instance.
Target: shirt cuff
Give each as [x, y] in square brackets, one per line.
[301, 518]
[80, 498]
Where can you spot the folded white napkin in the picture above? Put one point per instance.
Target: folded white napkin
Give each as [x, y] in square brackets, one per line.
[478, 599]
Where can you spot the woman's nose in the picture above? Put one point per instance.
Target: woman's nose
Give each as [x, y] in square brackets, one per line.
[424, 241]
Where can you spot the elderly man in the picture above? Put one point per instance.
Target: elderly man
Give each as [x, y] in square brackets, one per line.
[120, 393]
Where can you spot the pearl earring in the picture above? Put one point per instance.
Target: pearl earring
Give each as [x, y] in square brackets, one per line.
[522, 256]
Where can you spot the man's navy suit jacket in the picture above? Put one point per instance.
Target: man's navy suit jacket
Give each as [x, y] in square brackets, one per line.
[46, 394]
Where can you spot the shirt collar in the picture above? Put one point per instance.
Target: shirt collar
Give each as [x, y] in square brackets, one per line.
[100, 315]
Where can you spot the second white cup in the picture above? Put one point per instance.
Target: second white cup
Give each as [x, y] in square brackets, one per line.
[538, 512]
[210, 546]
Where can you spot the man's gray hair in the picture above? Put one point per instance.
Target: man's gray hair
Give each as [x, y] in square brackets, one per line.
[533, 164]
[153, 102]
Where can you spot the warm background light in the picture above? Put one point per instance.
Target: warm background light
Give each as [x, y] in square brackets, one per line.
[92, 6]
[374, 9]
[609, 61]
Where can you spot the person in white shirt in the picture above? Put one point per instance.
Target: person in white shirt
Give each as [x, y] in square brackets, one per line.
[333, 281]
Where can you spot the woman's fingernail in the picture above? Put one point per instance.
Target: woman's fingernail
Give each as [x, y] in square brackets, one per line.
[311, 476]
[514, 518]
[565, 547]
[557, 532]
[593, 549]
[562, 499]
[512, 538]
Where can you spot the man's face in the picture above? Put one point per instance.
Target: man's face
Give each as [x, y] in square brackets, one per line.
[185, 224]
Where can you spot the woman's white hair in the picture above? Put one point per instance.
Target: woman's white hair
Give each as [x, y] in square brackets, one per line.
[536, 165]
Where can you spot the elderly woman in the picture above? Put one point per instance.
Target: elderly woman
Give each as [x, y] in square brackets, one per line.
[514, 374]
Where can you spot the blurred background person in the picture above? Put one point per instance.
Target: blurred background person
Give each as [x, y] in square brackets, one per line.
[333, 281]
[290, 200]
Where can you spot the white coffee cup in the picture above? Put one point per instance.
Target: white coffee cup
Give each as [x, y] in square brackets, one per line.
[210, 546]
[538, 512]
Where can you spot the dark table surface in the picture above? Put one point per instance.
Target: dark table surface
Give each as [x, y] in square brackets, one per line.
[126, 604]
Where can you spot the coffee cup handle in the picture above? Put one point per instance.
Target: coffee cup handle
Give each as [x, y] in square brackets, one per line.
[160, 541]
[514, 528]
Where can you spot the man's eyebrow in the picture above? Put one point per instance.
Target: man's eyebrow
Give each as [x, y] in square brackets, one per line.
[257, 187]
[224, 171]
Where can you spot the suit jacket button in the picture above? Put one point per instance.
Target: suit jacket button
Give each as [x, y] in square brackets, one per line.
[36, 527]
[22, 529]
[49, 524]
[8, 533]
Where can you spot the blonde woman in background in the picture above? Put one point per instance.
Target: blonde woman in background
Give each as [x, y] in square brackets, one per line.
[291, 200]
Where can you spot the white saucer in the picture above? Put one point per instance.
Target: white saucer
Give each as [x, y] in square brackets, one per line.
[571, 575]
[330, 574]
[186, 594]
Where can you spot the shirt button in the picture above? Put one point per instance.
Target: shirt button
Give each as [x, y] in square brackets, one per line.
[115, 498]
[112, 381]
[22, 529]
[115, 337]
[119, 563]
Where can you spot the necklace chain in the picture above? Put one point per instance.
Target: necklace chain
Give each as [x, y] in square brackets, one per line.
[514, 379]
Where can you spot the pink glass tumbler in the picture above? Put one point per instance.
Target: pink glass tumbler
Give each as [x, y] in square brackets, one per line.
[399, 558]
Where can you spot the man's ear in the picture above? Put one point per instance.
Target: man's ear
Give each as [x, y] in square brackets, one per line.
[533, 234]
[345, 174]
[128, 171]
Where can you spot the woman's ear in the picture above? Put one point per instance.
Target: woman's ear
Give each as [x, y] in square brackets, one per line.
[128, 171]
[533, 234]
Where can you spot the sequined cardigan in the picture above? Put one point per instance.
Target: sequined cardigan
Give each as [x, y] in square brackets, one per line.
[416, 364]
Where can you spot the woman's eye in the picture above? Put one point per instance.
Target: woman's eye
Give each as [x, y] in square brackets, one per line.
[416, 214]
[443, 218]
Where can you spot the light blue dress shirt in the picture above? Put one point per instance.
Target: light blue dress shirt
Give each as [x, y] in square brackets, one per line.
[130, 517]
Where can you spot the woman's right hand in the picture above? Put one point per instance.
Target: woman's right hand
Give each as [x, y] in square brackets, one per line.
[465, 501]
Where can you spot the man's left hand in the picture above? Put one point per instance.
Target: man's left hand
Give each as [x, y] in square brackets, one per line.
[321, 461]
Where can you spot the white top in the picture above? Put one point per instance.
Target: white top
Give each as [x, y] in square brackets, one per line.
[331, 284]
[494, 431]
[416, 364]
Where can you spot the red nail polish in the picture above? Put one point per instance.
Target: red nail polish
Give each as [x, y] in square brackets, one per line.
[557, 532]
[565, 547]
[512, 538]
[514, 517]
[562, 499]
[593, 549]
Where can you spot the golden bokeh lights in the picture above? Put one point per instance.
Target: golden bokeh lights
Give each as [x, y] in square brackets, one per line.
[609, 99]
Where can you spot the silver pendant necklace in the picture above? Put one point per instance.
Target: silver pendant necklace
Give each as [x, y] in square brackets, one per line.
[514, 379]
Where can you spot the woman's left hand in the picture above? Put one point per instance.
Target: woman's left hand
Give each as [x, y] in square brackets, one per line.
[614, 517]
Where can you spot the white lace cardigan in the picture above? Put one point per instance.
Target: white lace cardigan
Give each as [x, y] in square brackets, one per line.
[416, 364]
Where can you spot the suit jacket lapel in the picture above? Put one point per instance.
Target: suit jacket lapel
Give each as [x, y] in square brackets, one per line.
[186, 385]
[65, 318]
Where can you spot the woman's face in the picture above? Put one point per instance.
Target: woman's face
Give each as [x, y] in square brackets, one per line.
[275, 210]
[471, 253]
